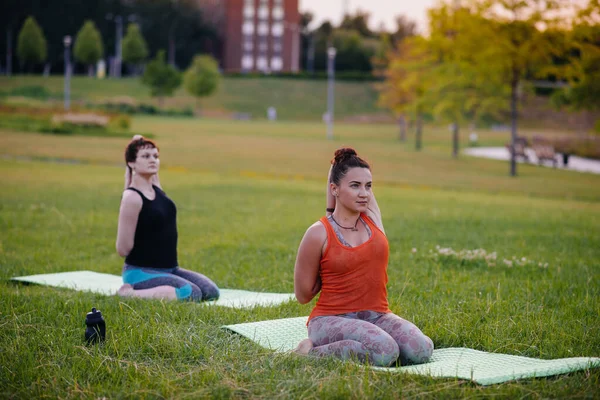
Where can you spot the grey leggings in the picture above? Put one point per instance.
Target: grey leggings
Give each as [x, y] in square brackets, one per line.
[377, 338]
[188, 285]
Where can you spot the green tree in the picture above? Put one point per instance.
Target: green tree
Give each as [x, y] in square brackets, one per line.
[459, 91]
[506, 41]
[31, 45]
[583, 92]
[359, 23]
[135, 49]
[88, 48]
[162, 78]
[202, 77]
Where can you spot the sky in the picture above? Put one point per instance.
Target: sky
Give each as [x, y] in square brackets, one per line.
[381, 11]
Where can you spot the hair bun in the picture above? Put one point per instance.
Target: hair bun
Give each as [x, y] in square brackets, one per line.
[343, 154]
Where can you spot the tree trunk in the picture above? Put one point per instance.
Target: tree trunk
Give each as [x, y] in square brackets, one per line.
[198, 107]
[172, 48]
[402, 126]
[514, 88]
[91, 70]
[419, 132]
[8, 51]
[455, 129]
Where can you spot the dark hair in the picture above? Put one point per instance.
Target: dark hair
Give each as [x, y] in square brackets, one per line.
[134, 146]
[344, 159]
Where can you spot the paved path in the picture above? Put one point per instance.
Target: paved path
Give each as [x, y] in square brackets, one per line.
[579, 164]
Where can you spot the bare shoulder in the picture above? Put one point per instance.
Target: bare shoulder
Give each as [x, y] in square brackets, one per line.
[316, 232]
[131, 199]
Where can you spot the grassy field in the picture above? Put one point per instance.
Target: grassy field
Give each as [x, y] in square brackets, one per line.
[294, 99]
[246, 192]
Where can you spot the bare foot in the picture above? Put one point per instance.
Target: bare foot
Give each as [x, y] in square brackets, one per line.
[304, 347]
[125, 291]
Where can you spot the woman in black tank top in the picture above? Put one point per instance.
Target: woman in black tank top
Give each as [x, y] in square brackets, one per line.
[147, 234]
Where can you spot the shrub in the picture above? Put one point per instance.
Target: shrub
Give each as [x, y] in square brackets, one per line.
[582, 146]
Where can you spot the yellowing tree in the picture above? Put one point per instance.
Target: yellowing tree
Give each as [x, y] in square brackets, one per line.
[406, 83]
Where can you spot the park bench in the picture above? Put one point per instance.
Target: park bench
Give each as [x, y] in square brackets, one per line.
[519, 148]
[544, 150]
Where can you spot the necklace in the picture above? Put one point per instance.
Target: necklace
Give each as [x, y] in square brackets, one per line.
[353, 228]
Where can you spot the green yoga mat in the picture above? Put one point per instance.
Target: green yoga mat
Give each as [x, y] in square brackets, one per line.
[108, 284]
[478, 366]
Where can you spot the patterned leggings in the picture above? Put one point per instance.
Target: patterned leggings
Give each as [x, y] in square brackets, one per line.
[377, 338]
[188, 285]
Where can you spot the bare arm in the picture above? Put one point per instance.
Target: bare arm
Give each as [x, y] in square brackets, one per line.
[131, 204]
[307, 282]
[374, 212]
[329, 198]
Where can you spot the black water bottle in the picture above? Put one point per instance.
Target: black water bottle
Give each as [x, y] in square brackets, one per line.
[96, 328]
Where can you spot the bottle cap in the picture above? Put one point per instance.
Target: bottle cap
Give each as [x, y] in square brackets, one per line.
[94, 316]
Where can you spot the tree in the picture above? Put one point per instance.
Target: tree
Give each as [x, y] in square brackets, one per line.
[405, 28]
[459, 91]
[202, 77]
[162, 78]
[406, 85]
[31, 45]
[583, 92]
[359, 23]
[507, 41]
[135, 50]
[88, 48]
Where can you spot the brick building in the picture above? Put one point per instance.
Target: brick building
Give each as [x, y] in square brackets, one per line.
[257, 35]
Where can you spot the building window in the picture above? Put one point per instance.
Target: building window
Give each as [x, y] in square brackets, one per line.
[263, 29]
[263, 12]
[277, 12]
[276, 63]
[247, 62]
[277, 48]
[249, 2]
[248, 45]
[262, 47]
[277, 29]
[248, 28]
[261, 63]
[249, 11]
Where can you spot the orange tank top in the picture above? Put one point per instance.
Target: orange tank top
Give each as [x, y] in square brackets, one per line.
[353, 278]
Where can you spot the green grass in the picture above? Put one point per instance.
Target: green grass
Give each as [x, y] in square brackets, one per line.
[294, 99]
[246, 192]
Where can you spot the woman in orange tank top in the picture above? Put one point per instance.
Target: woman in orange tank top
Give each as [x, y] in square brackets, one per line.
[344, 256]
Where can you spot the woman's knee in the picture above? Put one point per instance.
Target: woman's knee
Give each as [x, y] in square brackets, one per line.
[211, 292]
[385, 355]
[418, 350]
[188, 291]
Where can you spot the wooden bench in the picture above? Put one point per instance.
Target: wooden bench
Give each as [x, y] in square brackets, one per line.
[544, 150]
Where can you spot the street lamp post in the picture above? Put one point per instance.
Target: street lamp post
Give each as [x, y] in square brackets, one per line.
[331, 52]
[117, 61]
[67, 43]
[118, 49]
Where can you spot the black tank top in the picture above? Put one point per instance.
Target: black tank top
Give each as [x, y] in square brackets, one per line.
[155, 243]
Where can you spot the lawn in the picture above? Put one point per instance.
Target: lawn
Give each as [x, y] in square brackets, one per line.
[293, 98]
[246, 192]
